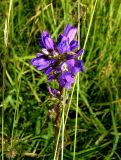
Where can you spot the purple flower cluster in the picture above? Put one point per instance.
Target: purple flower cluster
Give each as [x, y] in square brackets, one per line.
[58, 60]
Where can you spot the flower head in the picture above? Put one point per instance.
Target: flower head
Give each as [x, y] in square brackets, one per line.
[58, 60]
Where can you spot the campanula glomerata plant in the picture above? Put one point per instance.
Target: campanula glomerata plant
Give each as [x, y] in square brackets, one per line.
[59, 60]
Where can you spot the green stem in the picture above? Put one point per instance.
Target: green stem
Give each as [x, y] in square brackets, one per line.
[4, 82]
[63, 126]
[89, 27]
[76, 122]
[61, 129]
[57, 142]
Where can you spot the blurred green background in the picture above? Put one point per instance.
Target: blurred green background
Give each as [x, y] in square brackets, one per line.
[27, 127]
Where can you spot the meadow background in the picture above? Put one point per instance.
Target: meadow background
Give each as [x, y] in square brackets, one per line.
[27, 128]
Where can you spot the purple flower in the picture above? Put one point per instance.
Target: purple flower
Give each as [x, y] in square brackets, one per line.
[65, 80]
[64, 45]
[51, 77]
[74, 66]
[46, 41]
[74, 55]
[54, 92]
[66, 42]
[42, 62]
[58, 60]
[70, 32]
[48, 70]
[68, 70]
[73, 45]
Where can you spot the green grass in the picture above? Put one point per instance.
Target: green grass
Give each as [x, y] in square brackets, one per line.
[90, 126]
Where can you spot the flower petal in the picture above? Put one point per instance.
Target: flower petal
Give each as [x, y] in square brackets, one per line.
[65, 80]
[69, 78]
[78, 67]
[45, 41]
[51, 77]
[39, 55]
[63, 46]
[39, 61]
[42, 67]
[53, 91]
[48, 70]
[67, 29]
[49, 44]
[71, 34]
[73, 45]
[78, 53]
[41, 39]
[61, 80]
[59, 38]
[52, 61]
[70, 63]
[67, 85]
[82, 66]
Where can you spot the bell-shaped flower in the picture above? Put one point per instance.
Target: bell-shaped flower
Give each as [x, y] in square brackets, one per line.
[72, 66]
[42, 62]
[64, 45]
[70, 32]
[65, 79]
[46, 41]
[65, 41]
